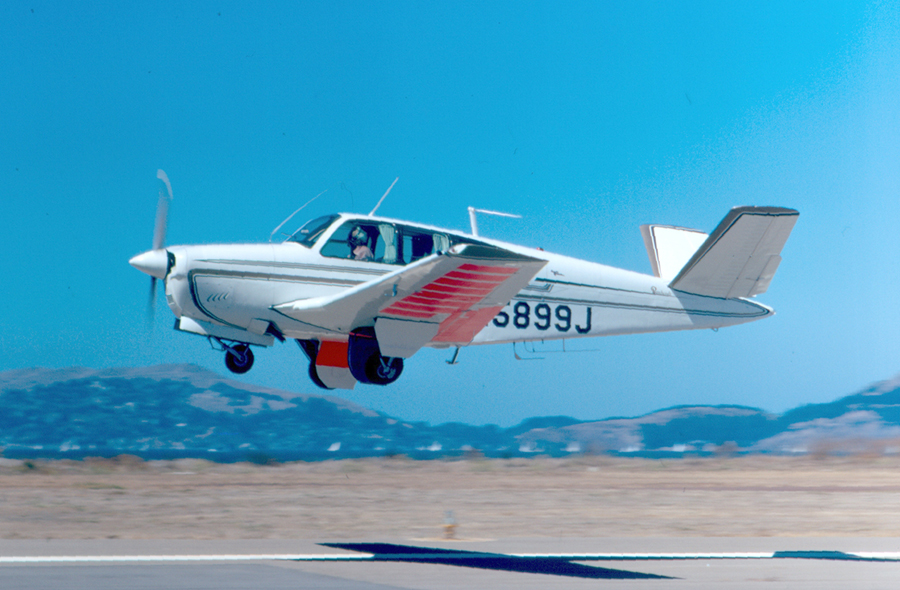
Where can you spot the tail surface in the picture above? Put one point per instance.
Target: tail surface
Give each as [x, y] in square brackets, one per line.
[740, 257]
[670, 247]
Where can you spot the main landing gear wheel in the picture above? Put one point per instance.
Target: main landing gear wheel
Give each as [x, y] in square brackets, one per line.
[367, 364]
[239, 358]
[382, 370]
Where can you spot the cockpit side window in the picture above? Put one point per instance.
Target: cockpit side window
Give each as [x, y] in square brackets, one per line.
[386, 243]
[362, 240]
[312, 230]
[417, 243]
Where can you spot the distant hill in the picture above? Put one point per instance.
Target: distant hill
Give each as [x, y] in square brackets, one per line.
[182, 410]
[868, 421]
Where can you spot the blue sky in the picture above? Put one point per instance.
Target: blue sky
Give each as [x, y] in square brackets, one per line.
[588, 119]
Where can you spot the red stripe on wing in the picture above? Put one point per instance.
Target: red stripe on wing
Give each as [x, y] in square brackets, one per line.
[446, 288]
[419, 315]
[464, 325]
[472, 276]
[500, 270]
[406, 305]
[453, 293]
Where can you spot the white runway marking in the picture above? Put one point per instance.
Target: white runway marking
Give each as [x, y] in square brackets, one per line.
[826, 555]
[172, 558]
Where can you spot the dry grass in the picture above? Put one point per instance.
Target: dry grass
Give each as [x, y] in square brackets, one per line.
[398, 498]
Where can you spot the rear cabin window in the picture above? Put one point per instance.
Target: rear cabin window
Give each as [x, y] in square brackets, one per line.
[386, 243]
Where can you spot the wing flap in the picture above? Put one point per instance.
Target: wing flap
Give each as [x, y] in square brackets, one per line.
[402, 338]
[741, 256]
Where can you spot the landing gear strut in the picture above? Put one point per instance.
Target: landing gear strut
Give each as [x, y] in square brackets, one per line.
[382, 370]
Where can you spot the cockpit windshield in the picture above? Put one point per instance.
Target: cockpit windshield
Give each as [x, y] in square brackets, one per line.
[312, 230]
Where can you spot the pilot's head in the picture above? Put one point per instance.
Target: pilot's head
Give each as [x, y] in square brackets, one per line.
[358, 237]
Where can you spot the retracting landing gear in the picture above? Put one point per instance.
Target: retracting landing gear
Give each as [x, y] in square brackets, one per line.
[346, 363]
[238, 356]
[366, 362]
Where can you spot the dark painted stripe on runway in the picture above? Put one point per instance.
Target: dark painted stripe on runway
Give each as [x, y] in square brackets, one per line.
[553, 566]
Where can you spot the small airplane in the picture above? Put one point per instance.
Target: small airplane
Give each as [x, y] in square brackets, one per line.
[361, 293]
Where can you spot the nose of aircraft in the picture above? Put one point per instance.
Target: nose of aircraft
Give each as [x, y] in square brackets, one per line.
[152, 262]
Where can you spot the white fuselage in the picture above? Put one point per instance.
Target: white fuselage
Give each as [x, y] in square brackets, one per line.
[239, 285]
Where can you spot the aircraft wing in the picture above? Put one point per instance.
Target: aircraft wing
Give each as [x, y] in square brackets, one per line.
[446, 298]
[740, 256]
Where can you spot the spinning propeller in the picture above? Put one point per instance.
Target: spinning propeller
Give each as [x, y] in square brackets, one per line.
[155, 262]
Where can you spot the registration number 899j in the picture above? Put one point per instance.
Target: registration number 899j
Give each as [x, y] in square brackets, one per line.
[542, 317]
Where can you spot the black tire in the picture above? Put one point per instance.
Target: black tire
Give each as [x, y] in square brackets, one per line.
[233, 361]
[361, 347]
[385, 373]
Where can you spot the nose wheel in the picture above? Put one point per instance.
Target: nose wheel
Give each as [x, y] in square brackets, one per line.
[239, 359]
[238, 356]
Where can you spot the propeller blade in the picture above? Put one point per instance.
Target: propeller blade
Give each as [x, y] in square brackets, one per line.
[159, 239]
[162, 211]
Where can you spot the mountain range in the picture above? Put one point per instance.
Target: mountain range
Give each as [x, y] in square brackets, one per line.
[171, 411]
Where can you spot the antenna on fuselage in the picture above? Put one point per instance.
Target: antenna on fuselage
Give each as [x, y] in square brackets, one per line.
[383, 196]
[295, 212]
[473, 211]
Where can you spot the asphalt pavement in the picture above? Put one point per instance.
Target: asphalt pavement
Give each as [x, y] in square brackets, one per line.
[438, 564]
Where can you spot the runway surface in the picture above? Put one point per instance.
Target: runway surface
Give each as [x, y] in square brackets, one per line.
[425, 564]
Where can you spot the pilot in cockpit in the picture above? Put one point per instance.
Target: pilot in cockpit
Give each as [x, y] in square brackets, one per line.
[359, 244]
